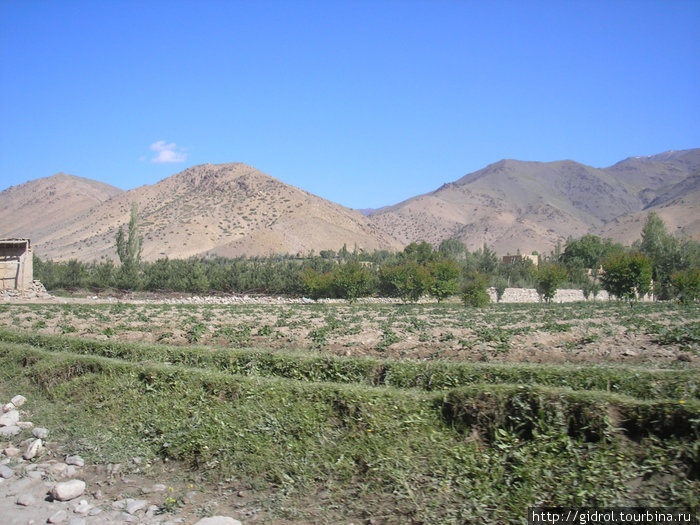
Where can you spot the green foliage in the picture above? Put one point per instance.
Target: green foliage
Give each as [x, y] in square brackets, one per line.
[453, 249]
[686, 285]
[316, 284]
[430, 457]
[626, 275]
[587, 252]
[549, 278]
[409, 281]
[129, 250]
[351, 280]
[663, 251]
[500, 284]
[419, 252]
[474, 290]
[445, 278]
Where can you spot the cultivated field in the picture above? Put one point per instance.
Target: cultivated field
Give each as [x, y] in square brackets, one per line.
[339, 413]
[657, 333]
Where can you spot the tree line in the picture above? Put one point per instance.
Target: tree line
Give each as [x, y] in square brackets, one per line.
[667, 266]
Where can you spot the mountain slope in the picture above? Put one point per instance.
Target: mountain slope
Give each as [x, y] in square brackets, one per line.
[36, 206]
[530, 206]
[228, 209]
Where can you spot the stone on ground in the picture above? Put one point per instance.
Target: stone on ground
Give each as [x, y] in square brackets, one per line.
[68, 490]
[18, 401]
[218, 520]
[33, 449]
[40, 433]
[75, 460]
[9, 418]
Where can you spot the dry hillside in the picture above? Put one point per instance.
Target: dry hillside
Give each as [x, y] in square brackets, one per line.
[30, 209]
[530, 206]
[234, 209]
[228, 209]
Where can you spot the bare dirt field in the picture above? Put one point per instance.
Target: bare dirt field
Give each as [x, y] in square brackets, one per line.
[610, 332]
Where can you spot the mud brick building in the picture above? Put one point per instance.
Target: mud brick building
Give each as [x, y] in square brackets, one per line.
[16, 270]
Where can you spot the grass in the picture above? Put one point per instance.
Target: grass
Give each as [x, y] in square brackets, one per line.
[409, 455]
[338, 439]
[639, 382]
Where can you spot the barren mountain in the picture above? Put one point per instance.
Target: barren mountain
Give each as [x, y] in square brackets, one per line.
[530, 206]
[228, 209]
[234, 209]
[39, 204]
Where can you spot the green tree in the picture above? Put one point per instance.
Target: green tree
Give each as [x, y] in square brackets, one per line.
[487, 260]
[409, 281]
[686, 284]
[129, 250]
[420, 252]
[587, 252]
[664, 253]
[445, 278]
[500, 284]
[317, 284]
[453, 248]
[626, 275]
[549, 278]
[474, 290]
[351, 280]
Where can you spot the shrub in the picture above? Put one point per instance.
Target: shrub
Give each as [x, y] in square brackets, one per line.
[626, 275]
[474, 290]
[686, 285]
[445, 275]
[549, 278]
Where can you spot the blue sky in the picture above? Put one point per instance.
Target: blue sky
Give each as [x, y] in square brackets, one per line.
[365, 103]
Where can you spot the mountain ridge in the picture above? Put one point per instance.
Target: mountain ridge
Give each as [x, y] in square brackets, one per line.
[234, 209]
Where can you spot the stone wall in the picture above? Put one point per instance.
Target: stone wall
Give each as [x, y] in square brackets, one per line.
[529, 295]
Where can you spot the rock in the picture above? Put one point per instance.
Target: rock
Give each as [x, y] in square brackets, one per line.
[95, 511]
[78, 521]
[8, 406]
[18, 401]
[121, 504]
[34, 448]
[26, 500]
[123, 516]
[218, 520]
[136, 505]
[69, 471]
[35, 474]
[6, 472]
[9, 418]
[83, 507]
[75, 460]
[40, 433]
[67, 490]
[25, 424]
[158, 487]
[57, 469]
[11, 452]
[58, 517]
[9, 431]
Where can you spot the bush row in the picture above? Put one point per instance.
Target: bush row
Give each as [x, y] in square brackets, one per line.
[431, 376]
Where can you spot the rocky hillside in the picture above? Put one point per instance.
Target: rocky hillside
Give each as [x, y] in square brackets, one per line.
[31, 209]
[229, 209]
[234, 209]
[530, 206]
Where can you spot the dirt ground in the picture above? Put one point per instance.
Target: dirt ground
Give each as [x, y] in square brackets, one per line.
[601, 332]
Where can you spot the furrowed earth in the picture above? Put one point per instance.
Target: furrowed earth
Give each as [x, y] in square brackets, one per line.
[363, 413]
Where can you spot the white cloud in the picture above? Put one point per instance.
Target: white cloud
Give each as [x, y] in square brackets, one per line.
[167, 153]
